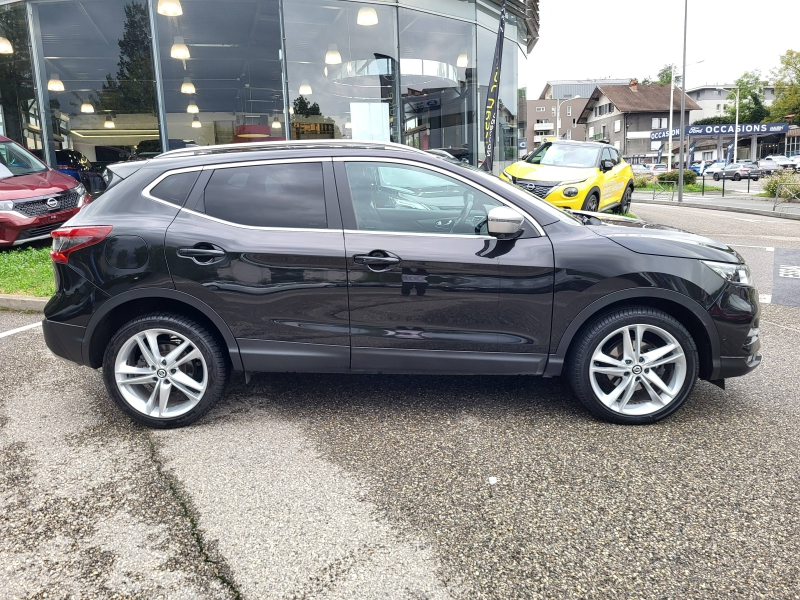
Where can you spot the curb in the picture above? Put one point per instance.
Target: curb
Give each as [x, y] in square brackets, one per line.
[27, 303]
[736, 209]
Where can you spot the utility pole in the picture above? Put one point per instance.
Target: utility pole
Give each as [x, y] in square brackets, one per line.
[683, 102]
[671, 100]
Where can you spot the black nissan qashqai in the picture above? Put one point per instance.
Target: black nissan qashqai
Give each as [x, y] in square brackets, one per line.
[345, 257]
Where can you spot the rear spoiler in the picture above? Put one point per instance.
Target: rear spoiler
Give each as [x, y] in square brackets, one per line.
[117, 172]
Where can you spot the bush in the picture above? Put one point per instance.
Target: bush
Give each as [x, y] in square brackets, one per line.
[689, 177]
[642, 180]
[783, 176]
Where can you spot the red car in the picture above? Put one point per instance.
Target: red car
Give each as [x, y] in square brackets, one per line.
[34, 199]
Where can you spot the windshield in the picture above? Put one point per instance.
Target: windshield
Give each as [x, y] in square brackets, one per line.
[15, 161]
[563, 155]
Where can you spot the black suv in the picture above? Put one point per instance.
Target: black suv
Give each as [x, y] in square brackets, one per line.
[347, 257]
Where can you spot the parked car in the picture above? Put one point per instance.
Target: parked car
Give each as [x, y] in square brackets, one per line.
[714, 169]
[77, 166]
[292, 257]
[782, 161]
[34, 199]
[576, 175]
[641, 170]
[738, 171]
[698, 167]
[657, 168]
[768, 166]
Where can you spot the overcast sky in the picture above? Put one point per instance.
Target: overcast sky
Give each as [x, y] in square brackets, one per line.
[582, 39]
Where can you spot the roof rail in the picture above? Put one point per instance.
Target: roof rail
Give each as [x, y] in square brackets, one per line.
[279, 145]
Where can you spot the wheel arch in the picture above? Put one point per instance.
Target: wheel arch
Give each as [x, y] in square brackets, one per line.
[688, 312]
[120, 309]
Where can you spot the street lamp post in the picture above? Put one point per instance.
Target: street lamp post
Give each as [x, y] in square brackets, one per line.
[558, 111]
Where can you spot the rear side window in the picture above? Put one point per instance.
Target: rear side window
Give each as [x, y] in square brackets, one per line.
[175, 188]
[281, 195]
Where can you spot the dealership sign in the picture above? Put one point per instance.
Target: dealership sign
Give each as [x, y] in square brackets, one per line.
[726, 129]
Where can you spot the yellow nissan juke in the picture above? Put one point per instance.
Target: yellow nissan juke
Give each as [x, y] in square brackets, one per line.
[587, 176]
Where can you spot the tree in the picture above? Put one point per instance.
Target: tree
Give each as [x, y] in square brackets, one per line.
[751, 99]
[712, 121]
[303, 108]
[787, 88]
[663, 77]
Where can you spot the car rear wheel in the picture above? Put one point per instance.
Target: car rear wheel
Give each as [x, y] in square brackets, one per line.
[592, 203]
[716, 176]
[625, 203]
[164, 371]
[737, 177]
[633, 366]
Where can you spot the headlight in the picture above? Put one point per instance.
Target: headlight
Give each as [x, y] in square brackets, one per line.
[6, 205]
[509, 176]
[571, 192]
[80, 190]
[730, 272]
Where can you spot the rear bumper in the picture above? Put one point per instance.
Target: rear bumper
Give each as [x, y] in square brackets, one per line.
[64, 340]
[17, 229]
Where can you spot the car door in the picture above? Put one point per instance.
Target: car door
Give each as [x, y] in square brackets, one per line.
[262, 245]
[612, 191]
[425, 283]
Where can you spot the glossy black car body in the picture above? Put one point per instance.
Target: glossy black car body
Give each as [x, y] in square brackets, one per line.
[300, 300]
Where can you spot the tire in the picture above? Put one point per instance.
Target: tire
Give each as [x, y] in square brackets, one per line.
[737, 177]
[625, 203]
[627, 399]
[716, 176]
[755, 178]
[163, 394]
[592, 203]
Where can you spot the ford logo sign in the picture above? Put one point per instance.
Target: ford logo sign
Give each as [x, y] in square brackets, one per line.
[52, 202]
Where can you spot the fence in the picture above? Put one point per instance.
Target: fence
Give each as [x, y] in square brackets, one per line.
[789, 193]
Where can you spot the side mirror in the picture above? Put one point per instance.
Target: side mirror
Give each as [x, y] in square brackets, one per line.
[504, 223]
[606, 165]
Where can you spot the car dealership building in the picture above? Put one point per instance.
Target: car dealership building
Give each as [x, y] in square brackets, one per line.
[120, 79]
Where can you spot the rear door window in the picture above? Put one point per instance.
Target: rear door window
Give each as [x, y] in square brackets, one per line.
[276, 195]
[175, 188]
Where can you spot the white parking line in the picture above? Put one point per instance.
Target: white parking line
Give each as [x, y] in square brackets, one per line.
[767, 248]
[19, 329]
[765, 298]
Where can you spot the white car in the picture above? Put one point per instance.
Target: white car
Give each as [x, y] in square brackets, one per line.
[783, 162]
[715, 168]
[658, 168]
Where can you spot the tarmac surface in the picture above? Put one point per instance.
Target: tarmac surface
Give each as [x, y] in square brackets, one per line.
[327, 486]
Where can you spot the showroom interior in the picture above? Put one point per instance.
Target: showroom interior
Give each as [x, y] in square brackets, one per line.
[126, 79]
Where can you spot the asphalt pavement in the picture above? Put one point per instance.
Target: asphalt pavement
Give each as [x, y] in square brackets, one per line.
[332, 486]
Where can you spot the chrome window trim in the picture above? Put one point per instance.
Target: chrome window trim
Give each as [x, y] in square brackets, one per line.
[146, 191]
[441, 171]
[255, 227]
[422, 234]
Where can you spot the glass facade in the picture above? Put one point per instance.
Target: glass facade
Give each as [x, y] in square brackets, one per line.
[127, 79]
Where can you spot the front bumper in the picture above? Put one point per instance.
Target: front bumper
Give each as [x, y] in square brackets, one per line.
[736, 314]
[17, 229]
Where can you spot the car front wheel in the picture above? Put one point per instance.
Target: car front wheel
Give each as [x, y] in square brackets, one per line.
[633, 366]
[164, 371]
[592, 203]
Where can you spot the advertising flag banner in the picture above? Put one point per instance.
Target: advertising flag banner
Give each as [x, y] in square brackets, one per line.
[490, 113]
[729, 152]
[660, 152]
[691, 153]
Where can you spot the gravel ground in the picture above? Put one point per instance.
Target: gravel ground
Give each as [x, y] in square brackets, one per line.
[326, 486]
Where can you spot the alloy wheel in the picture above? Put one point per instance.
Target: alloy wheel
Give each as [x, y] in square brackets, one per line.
[637, 370]
[160, 373]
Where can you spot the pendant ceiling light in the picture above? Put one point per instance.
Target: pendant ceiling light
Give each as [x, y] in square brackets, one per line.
[192, 109]
[54, 84]
[187, 87]
[170, 8]
[332, 56]
[196, 124]
[291, 110]
[179, 49]
[109, 124]
[305, 89]
[367, 16]
[348, 125]
[463, 61]
[276, 124]
[87, 108]
[5, 45]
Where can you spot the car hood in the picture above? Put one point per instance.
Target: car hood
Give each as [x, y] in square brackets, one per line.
[34, 185]
[643, 237]
[523, 170]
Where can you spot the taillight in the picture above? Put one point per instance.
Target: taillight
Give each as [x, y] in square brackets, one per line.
[68, 239]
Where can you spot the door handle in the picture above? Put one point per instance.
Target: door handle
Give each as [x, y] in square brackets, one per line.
[383, 261]
[200, 252]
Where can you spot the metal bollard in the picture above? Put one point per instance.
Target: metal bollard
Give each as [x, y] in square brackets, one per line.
[723, 186]
[703, 189]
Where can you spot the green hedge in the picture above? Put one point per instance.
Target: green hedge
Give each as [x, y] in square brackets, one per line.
[689, 177]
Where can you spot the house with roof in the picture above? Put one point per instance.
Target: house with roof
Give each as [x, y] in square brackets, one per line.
[625, 115]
